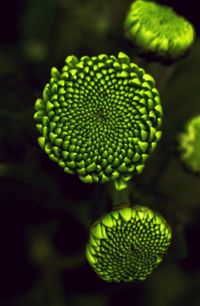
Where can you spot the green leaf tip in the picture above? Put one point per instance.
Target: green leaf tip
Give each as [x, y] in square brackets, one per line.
[86, 179]
[126, 213]
[71, 61]
[120, 184]
[41, 142]
[124, 58]
[125, 235]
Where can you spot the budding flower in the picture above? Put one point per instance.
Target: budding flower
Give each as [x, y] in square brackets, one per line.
[157, 30]
[100, 117]
[127, 244]
[189, 144]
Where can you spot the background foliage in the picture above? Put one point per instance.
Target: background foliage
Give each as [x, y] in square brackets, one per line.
[45, 214]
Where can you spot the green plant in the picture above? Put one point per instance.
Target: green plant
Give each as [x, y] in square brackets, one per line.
[100, 117]
[127, 243]
[189, 144]
[158, 30]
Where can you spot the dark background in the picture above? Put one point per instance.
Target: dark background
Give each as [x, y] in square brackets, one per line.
[45, 214]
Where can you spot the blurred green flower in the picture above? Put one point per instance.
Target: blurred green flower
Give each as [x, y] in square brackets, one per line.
[189, 144]
[35, 50]
[127, 244]
[100, 117]
[158, 30]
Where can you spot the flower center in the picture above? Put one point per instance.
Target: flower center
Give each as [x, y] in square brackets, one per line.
[100, 115]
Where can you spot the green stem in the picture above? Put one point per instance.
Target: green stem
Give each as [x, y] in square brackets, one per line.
[166, 77]
[120, 196]
[52, 285]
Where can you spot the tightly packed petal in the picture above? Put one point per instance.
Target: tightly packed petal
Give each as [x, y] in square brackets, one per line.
[158, 30]
[189, 144]
[100, 117]
[127, 244]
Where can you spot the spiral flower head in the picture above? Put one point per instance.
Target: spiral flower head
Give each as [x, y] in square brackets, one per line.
[158, 30]
[100, 117]
[127, 244]
[189, 144]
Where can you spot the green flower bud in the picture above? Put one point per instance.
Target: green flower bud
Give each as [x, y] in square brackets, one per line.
[157, 30]
[127, 244]
[100, 117]
[189, 144]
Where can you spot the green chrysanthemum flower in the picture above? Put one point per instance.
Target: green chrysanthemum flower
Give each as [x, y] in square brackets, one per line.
[100, 117]
[189, 144]
[158, 30]
[127, 244]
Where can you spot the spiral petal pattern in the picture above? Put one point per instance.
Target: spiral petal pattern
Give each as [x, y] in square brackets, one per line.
[158, 30]
[100, 117]
[127, 244]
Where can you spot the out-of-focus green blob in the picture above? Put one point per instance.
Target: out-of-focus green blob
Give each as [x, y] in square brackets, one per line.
[127, 244]
[35, 50]
[158, 30]
[189, 144]
[99, 117]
